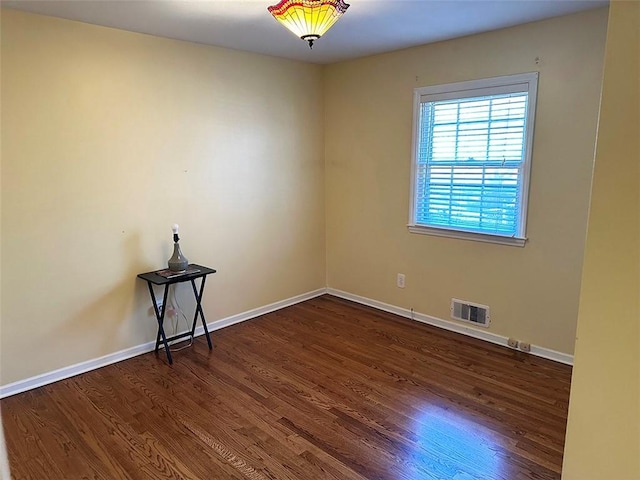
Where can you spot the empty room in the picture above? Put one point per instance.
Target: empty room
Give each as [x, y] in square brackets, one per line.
[313, 239]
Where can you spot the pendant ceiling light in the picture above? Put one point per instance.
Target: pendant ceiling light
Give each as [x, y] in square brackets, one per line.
[308, 19]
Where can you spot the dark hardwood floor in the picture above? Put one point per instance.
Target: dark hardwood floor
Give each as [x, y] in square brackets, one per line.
[325, 389]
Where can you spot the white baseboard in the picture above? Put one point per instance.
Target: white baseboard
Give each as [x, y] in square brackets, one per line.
[72, 370]
[78, 368]
[452, 326]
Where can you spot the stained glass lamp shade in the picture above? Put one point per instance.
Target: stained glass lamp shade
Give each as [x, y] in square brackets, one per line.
[308, 19]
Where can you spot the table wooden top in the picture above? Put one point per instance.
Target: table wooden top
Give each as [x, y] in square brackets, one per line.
[157, 279]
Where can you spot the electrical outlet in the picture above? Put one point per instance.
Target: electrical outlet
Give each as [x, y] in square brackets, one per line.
[525, 347]
[400, 280]
[513, 343]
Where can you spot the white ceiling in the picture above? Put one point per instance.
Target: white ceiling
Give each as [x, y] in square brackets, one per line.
[368, 27]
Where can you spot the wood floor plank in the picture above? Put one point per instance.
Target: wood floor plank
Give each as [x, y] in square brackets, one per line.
[325, 389]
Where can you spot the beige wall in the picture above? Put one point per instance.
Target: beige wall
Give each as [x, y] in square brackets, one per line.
[603, 432]
[532, 291]
[110, 137]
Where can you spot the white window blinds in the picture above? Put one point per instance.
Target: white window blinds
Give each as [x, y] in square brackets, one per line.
[471, 161]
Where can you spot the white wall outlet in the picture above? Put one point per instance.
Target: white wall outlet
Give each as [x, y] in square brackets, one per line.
[525, 347]
[513, 343]
[400, 280]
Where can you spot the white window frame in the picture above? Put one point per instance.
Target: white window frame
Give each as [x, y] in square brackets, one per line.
[525, 82]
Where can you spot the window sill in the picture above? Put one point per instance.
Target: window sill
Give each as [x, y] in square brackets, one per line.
[476, 237]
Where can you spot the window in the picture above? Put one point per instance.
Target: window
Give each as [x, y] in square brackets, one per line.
[471, 158]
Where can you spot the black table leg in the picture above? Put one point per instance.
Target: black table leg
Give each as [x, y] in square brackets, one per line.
[199, 310]
[160, 318]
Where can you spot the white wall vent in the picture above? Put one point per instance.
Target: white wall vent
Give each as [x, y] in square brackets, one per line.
[470, 312]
